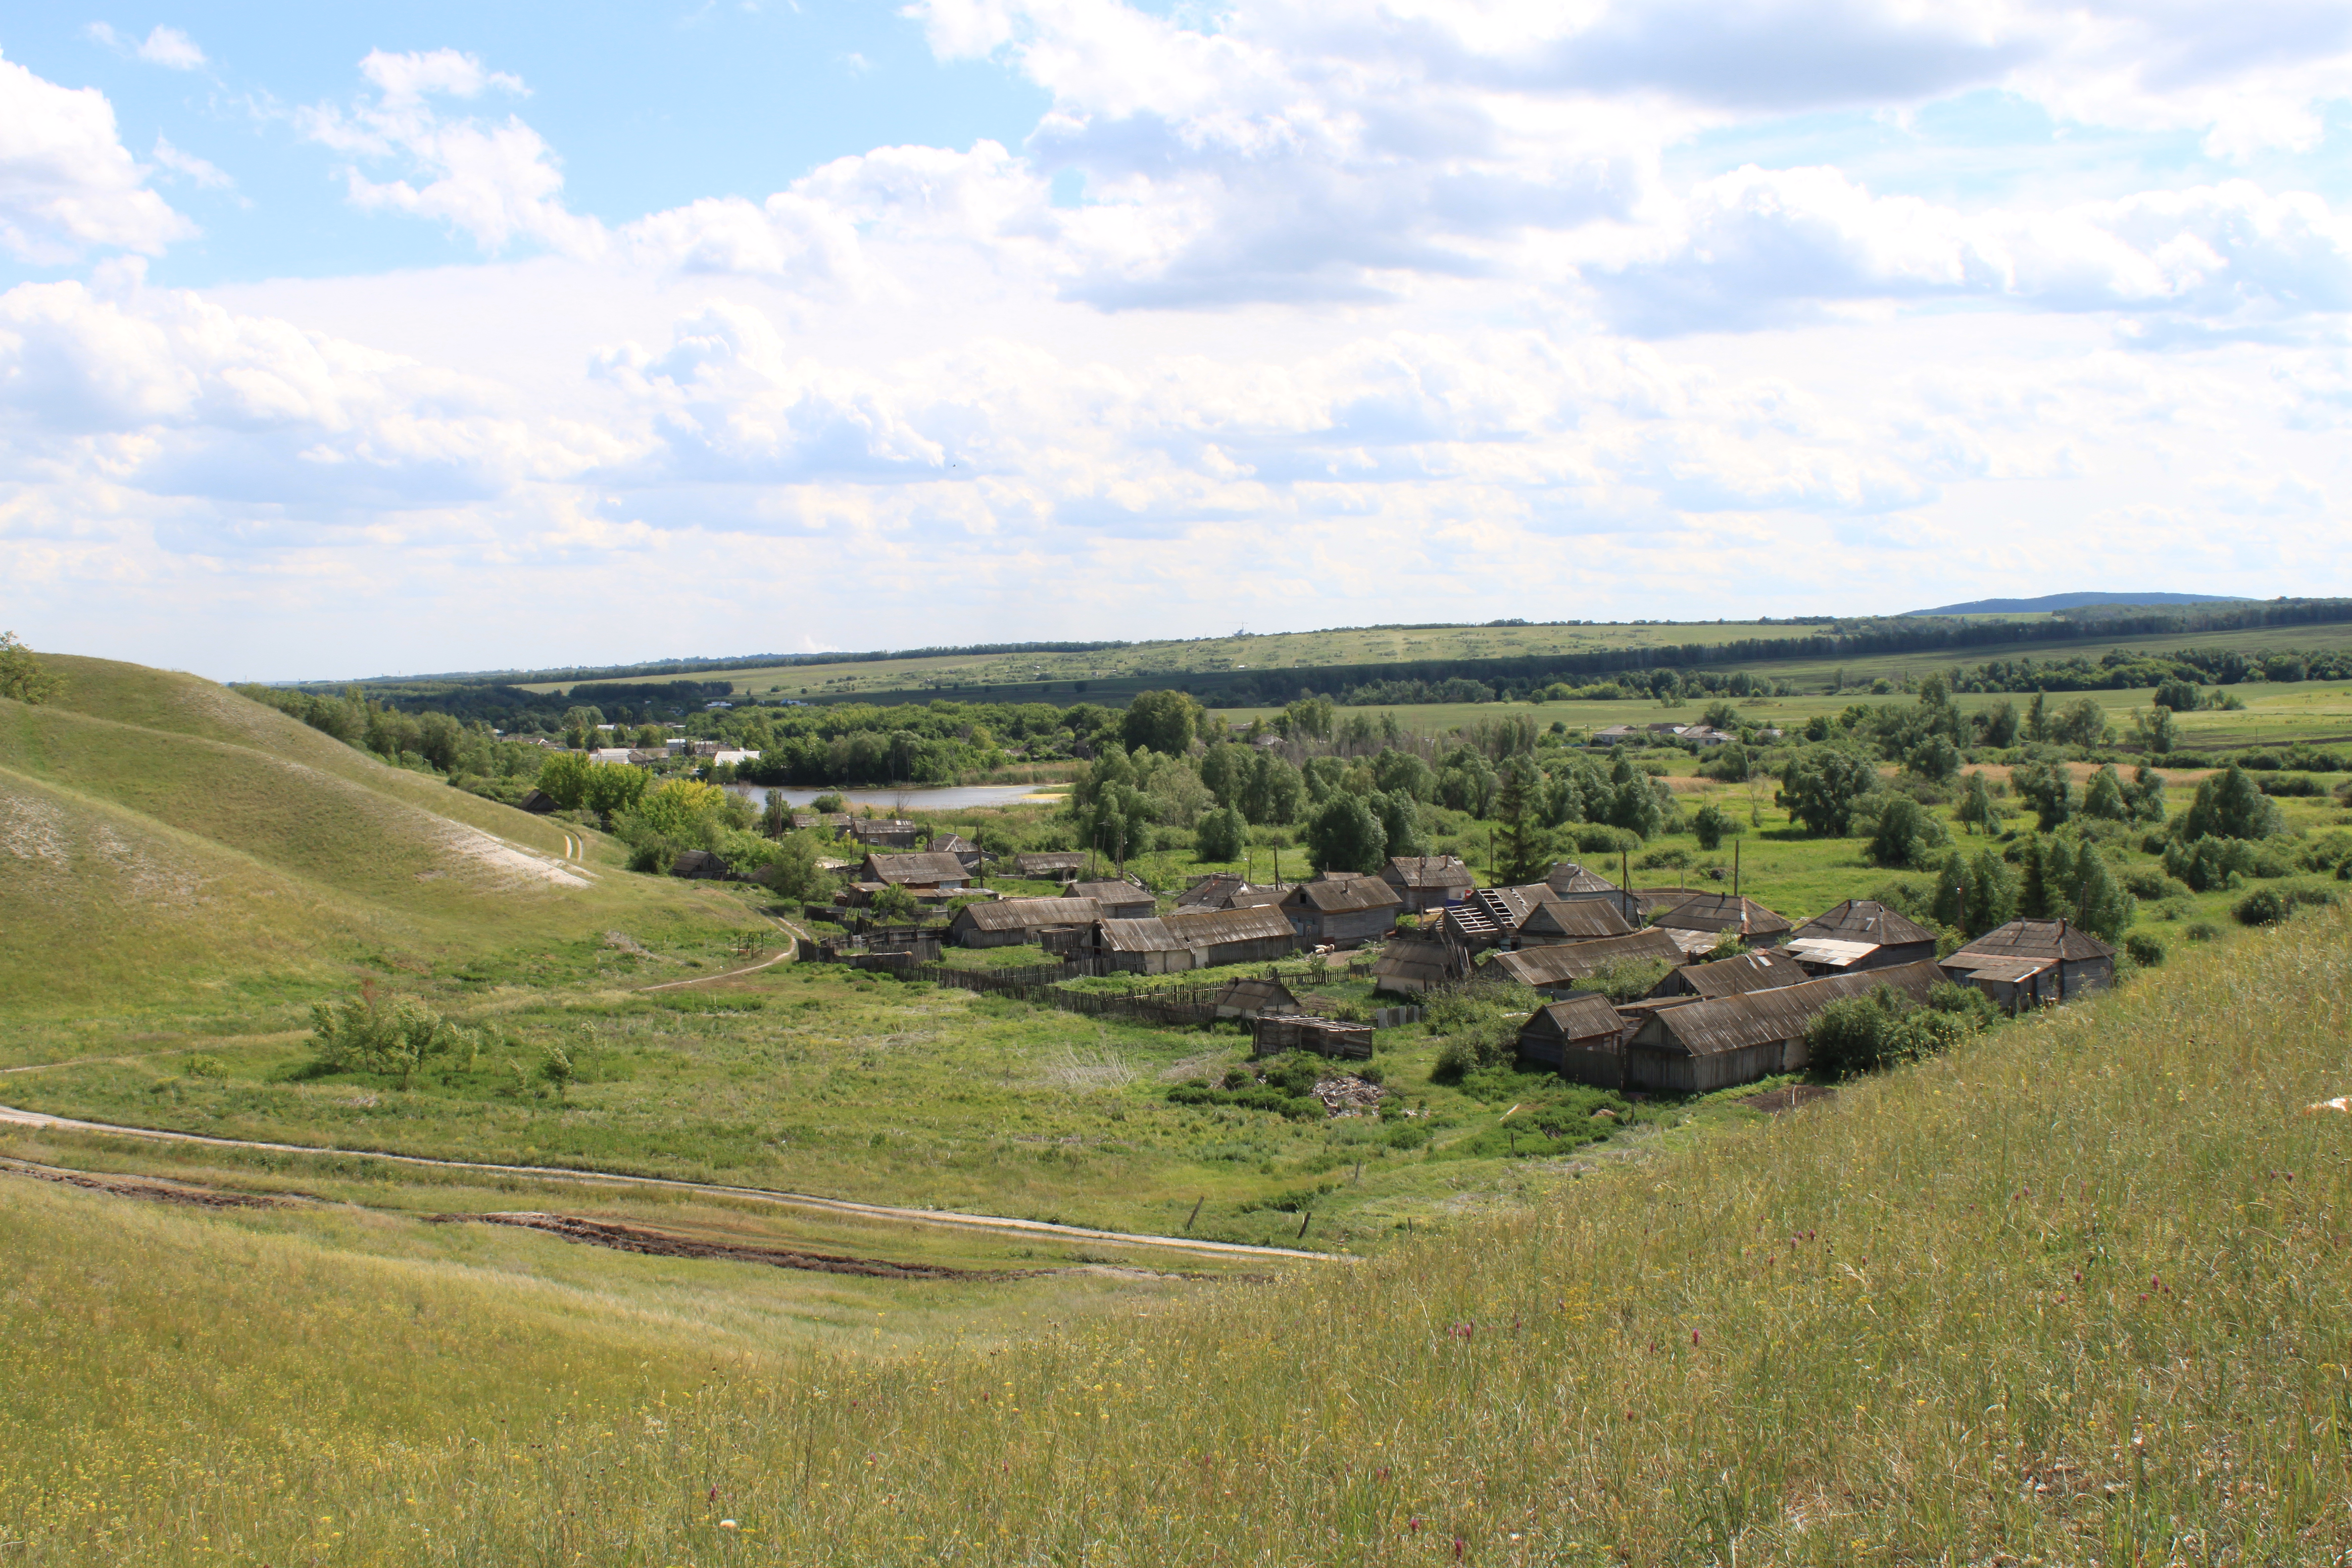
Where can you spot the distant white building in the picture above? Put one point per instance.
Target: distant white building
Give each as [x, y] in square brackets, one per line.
[735, 759]
[609, 755]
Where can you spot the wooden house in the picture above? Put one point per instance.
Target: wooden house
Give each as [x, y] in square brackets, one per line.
[957, 845]
[1699, 1047]
[1579, 1039]
[922, 868]
[2034, 963]
[539, 803]
[1713, 914]
[1203, 938]
[698, 863]
[1859, 934]
[1424, 882]
[1552, 921]
[1571, 882]
[1120, 901]
[1765, 971]
[1411, 964]
[884, 833]
[1050, 866]
[1567, 966]
[1014, 922]
[1253, 998]
[1214, 891]
[1341, 914]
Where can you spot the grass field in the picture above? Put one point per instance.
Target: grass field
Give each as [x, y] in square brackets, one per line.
[2073, 1293]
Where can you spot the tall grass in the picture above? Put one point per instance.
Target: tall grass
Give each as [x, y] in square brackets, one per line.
[2075, 1293]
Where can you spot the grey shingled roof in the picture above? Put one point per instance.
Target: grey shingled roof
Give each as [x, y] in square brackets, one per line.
[1865, 920]
[1756, 1018]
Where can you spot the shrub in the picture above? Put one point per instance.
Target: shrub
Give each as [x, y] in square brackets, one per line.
[1713, 825]
[2264, 906]
[2151, 884]
[1599, 839]
[2201, 931]
[2146, 949]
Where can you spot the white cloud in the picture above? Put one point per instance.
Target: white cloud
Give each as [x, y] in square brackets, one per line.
[496, 182]
[162, 45]
[203, 174]
[67, 184]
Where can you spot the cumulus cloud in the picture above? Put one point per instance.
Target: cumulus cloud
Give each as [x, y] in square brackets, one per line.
[66, 183]
[497, 182]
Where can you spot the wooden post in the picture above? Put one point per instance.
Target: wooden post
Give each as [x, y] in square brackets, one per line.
[1303, 1223]
[1196, 1214]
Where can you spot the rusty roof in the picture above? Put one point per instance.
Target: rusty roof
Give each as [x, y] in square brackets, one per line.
[2038, 938]
[1581, 960]
[1756, 1018]
[1865, 920]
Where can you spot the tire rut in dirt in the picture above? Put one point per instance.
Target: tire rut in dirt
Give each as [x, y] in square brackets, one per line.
[660, 1244]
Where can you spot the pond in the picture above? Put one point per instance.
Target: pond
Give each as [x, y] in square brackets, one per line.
[951, 797]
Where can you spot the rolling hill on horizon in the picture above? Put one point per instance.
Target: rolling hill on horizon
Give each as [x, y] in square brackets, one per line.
[2050, 603]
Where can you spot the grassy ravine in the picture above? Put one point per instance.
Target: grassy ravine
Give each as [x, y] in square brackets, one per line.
[2074, 1293]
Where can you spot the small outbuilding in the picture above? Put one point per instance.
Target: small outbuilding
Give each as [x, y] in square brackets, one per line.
[1341, 914]
[1859, 934]
[1050, 865]
[1424, 882]
[699, 863]
[1581, 1039]
[1253, 998]
[539, 803]
[1408, 966]
[1014, 922]
[965, 851]
[1254, 934]
[1275, 1033]
[884, 833]
[923, 869]
[2034, 963]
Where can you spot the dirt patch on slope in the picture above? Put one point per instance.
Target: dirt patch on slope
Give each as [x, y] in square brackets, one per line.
[660, 1244]
[143, 1187]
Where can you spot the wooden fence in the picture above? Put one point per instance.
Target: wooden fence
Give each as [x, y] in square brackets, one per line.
[1040, 985]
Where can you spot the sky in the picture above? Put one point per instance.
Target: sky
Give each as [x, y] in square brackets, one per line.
[365, 340]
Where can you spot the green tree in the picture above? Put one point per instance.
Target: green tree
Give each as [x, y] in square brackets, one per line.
[776, 816]
[2178, 696]
[1401, 820]
[563, 779]
[2047, 787]
[1822, 785]
[2081, 723]
[2230, 805]
[896, 904]
[1274, 791]
[1309, 718]
[1934, 758]
[1978, 809]
[579, 726]
[1403, 772]
[1713, 825]
[1904, 836]
[21, 675]
[1998, 725]
[2156, 729]
[1345, 835]
[2101, 905]
[1523, 851]
[1221, 834]
[2037, 717]
[1163, 721]
[2104, 796]
[1226, 769]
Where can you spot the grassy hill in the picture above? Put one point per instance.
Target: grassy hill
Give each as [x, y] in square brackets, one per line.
[163, 838]
[2074, 1293]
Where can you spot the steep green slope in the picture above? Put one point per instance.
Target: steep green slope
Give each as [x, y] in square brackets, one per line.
[158, 832]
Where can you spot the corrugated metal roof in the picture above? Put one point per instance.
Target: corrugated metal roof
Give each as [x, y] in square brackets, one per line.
[1572, 881]
[2039, 938]
[1204, 927]
[1357, 893]
[1749, 972]
[1571, 921]
[1022, 914]
[1866, 921]
[1110, 892]
[1757, 1017]
[1824, 951]
[1430, 870]
[1136, 936]
[1577, 1018]
[2009, 971]
[1581, 960]
[1418, 959]
[1722, 912]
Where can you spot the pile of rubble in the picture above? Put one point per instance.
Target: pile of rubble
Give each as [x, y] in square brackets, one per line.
[1349, 1096]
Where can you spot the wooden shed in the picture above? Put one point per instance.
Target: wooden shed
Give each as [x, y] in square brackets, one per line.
[1341, 914]
[1765, 971]
[923, 869]
[1143, 946]
[1120, 901]
[698, 863]
[1275, 1032]
[1700, 1047]
[1859, 934]
[1014, 921]
[1426, 882]
[956, 844]
[1567, 966]
[1715, 913]
[1555, 921]
[1214, 891]
[2034, 963]
[1252, 998]
[539, 803]
[1579, 1039]
[884, 833]
[1411, 964]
